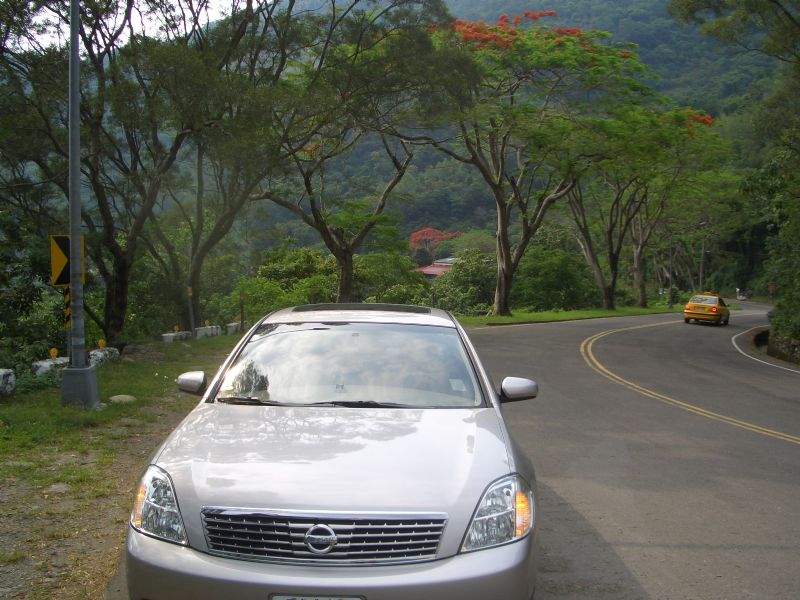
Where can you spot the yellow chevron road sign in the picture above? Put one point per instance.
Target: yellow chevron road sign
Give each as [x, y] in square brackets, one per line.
[59, 260]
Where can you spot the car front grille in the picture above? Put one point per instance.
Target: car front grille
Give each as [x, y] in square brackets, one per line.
[322, 538]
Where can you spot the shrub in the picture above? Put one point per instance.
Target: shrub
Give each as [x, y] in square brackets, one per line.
[378, 273]
[468, 288]
[553, 279]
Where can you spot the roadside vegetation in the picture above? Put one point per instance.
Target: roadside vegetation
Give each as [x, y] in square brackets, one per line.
[236, 163]
[68, 475]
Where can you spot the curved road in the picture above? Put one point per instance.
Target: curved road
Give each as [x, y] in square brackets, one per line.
[668, 456]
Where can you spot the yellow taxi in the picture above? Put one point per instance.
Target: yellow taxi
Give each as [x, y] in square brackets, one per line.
[707, 307]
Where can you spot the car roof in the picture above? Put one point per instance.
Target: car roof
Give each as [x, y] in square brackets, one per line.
[363, 313]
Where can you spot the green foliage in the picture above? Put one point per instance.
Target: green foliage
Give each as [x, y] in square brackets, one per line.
[553, 280]
[359, 87]
[779, 183]
[320, 288]
[388, 278]
[34, 331]
[259, 296]
[468, 288]
[480, 240]
[421, 256]
[444, 194]
[27, 382]
[288, 267]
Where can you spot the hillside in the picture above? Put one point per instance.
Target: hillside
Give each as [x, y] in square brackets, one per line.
[690, 68]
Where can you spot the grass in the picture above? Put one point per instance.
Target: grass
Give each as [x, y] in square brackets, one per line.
[11, 556]
[521, 317]
[35, 425]
[68, 474]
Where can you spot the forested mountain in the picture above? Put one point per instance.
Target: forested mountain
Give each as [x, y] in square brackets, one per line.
[335, 135]
[689, 67]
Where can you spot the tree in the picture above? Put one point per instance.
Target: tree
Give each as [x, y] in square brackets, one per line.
[522, 94]
[193, 87]
[429, 238]
[342, 223]
[773, 28]
[130, 136]
[354, 90]
[686, 170]
[647, 158]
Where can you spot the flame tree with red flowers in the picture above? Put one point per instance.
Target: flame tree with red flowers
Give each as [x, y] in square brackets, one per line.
[524, 91]
[429, 238]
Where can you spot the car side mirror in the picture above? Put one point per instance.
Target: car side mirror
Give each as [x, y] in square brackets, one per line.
[514, 389]
[193, 382]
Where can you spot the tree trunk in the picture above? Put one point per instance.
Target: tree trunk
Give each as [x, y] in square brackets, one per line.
[609, 302]
[344, 291]
[608, 296]
[505, 266]
[639, 275]
[502, 292]
[116, 302]
[194, 299]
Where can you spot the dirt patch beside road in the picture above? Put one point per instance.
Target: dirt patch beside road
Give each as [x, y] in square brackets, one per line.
[62, 541]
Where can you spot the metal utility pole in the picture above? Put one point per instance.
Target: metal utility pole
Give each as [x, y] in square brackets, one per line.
[79, 383]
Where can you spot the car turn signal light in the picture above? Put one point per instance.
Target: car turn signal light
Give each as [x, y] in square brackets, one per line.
[524, 513]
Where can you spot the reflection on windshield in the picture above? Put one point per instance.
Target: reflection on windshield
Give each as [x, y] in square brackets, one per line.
[306, 363]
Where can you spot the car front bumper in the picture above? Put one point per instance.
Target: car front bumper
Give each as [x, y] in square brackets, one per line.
[157, 570]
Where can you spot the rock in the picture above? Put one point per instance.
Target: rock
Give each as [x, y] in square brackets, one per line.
[57, 488]
[103, 355]
[177, 335]
[207, 331]
[122, 399]
[8, 383]
[40, 367]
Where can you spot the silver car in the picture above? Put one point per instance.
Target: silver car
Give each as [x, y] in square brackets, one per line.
[342, 452]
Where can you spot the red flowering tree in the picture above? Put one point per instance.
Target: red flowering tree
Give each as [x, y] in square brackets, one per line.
[428, 238]
[531, 90]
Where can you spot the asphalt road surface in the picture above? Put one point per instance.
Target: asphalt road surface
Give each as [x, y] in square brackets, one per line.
[668, 456]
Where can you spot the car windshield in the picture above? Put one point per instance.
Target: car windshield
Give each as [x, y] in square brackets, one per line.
[347, 364]
[703, 300]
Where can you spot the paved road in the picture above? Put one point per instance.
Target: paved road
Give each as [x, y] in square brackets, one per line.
[668, 460]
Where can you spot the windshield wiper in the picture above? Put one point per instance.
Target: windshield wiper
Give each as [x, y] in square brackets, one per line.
[360, 404]
[247, 400]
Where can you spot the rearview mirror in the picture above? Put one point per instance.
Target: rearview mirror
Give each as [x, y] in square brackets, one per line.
[193, 382]
[514, 389]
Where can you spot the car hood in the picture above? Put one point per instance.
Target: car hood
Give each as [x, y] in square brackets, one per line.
[339, 460]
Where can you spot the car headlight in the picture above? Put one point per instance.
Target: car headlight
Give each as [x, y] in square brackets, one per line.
[156, 510]
[504, 514]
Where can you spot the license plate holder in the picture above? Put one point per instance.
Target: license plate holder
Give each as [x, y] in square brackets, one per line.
[306, 597]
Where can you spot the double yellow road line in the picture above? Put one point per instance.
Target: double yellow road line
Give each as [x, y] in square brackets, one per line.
[587, 347]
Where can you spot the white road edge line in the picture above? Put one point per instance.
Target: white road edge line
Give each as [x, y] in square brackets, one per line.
[743, 353]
